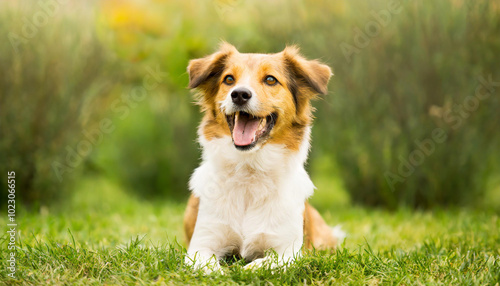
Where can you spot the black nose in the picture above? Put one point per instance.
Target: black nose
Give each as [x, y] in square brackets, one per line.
[240, 96]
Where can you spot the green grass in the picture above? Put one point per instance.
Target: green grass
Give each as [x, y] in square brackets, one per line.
[107, 236]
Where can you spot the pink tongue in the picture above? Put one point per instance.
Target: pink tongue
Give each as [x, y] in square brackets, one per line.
[244, 130]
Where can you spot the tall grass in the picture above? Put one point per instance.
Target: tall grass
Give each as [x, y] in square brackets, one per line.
[53, 78]
[418, 76]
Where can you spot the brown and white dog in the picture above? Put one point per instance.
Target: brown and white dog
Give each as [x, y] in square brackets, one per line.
[249, 193]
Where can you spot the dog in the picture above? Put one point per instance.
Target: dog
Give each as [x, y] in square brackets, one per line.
[249, 195]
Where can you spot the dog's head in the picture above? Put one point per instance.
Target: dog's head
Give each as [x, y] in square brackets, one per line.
[257, 98]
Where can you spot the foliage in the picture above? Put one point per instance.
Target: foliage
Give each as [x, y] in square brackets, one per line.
[418, 78]
[52, 79]
[421, 74]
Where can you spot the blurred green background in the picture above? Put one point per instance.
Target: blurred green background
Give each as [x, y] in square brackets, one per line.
[98, 89]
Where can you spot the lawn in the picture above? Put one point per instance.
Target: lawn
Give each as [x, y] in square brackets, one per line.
[104, 235]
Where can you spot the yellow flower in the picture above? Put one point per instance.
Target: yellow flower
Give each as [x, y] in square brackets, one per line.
[133, 17]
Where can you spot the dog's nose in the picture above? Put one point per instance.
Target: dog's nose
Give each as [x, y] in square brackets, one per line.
[240, 96]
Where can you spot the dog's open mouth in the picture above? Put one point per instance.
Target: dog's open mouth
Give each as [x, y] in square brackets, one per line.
[247, 129]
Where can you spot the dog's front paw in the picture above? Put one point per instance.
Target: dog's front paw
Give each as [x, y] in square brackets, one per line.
[257, 263]
[269, 262]
[265, 262]
[208, 266]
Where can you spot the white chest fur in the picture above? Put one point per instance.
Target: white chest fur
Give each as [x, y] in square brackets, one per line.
[250, 201]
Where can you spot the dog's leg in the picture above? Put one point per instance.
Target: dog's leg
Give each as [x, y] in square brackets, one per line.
[204, 250]
[211, 242]
[286, 252]
[201, 258]
[282, 260]
[318, 234]
[273, 226]
[210, 237]
[190, 216]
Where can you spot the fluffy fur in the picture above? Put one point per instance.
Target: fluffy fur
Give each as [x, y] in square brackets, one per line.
[250, 199]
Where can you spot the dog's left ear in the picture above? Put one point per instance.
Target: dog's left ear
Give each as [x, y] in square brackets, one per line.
[307, 73]
[203, 70]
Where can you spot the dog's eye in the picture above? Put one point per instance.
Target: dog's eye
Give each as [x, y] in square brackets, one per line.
[229, 80]
[271, 80]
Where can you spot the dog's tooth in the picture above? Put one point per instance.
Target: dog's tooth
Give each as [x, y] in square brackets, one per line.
[262, 124]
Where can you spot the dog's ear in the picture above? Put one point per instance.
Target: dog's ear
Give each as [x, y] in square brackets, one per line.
[310, 74]
[206, 69]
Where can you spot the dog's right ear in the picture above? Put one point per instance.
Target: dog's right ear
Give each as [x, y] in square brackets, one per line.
[205, 70]
[311, 74]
